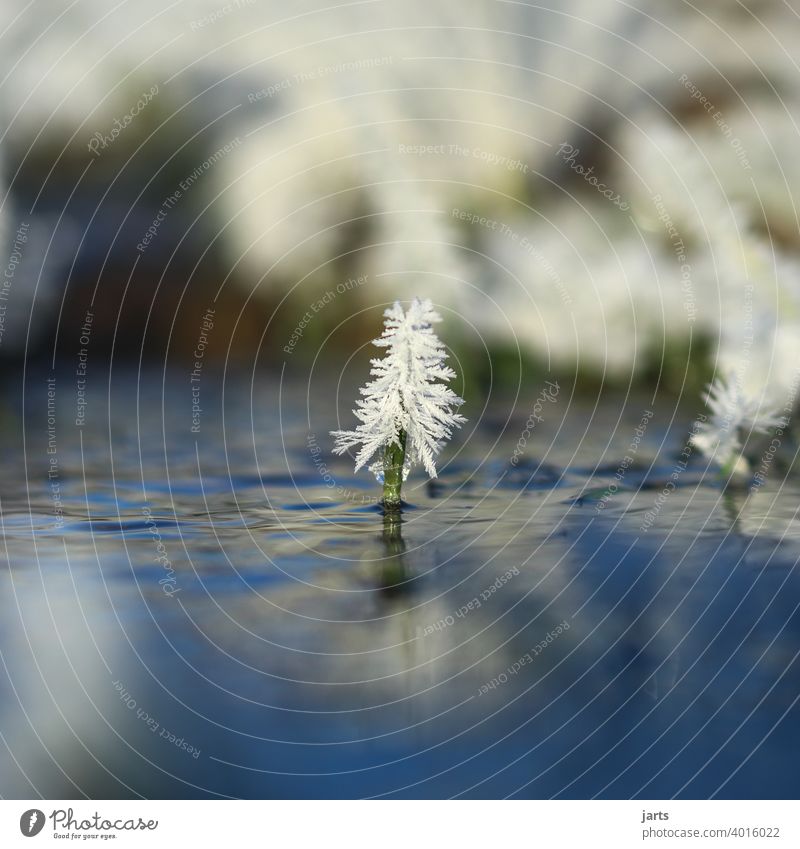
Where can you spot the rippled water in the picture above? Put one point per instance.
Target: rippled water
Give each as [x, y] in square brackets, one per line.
[227, 612]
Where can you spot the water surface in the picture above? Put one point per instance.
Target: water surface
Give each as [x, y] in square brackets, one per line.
[226, 612]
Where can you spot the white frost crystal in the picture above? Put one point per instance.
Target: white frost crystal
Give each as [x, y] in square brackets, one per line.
[406, 394]
[733, 414]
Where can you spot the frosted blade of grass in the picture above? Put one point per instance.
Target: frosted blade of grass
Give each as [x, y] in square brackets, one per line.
[407, 413]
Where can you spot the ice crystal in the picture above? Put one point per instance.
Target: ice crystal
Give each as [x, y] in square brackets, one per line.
[408, 393]
[734, 416]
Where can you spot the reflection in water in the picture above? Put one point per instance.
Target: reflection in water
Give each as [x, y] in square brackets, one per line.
[395, 578]
[298, 655]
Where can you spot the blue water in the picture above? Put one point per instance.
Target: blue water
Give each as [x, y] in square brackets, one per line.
[217, 613]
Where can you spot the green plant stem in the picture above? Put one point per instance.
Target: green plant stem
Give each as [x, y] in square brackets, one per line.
[394, 457]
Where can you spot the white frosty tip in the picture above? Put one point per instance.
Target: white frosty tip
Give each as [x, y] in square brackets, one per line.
[407, 393]
[734, 415]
